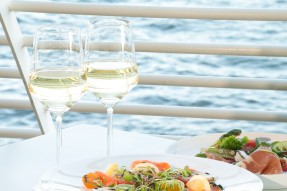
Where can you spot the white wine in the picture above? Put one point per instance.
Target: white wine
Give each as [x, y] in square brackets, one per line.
[58, 88]
[111, 81]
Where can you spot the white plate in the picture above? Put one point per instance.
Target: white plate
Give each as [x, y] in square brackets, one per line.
[191, 146]
[232, 178]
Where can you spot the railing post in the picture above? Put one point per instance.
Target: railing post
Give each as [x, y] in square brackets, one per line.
[22, 58]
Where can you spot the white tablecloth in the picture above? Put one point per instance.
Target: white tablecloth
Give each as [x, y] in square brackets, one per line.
[22, 163]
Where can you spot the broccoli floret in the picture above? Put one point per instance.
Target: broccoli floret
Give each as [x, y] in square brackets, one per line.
[232, 143]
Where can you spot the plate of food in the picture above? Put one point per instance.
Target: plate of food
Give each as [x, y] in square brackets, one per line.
[264, 154]
[159, 173]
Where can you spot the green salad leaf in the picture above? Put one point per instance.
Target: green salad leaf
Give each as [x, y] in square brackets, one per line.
[232, 143]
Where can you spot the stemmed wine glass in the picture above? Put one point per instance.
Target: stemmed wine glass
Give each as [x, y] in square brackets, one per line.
[111, 64]
[57, 73]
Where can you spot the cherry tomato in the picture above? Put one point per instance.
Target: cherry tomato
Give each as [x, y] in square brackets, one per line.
[284, 164]
[251, 144]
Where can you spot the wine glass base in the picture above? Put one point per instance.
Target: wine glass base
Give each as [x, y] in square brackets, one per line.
[69, 178]
[55, 180]
[56, 187]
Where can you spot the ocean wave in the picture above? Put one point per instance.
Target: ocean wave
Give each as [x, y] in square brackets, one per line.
[174, 30]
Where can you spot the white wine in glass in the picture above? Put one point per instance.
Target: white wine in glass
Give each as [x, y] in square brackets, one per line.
[58, 88]
[113, 81]
[111, 64]
[57, 73]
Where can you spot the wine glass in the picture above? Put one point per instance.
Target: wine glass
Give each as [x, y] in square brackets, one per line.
[111, 64]
[57, 73]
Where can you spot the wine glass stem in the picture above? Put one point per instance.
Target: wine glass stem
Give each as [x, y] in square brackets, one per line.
[59, 140]
[110, 131]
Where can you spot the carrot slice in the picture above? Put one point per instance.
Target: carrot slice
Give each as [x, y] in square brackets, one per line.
[162, 166]
[92, 180]
[98, 179]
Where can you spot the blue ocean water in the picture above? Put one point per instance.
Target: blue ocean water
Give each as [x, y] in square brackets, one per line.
[174, 30]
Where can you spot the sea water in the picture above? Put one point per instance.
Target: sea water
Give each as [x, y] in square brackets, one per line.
[174, 30]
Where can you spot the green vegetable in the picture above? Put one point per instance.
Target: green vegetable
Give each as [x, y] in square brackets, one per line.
[202, 155]
[186, 172]
[261, 143]
[167, 185]
[244, 140]
[273, 143]
[232, 143]
[280, 148]
[128, 176]
[124, 187]
[235, 132]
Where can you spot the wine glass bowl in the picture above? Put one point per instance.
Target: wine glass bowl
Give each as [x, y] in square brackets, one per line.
[111, 63]
[57, 75]
[110, 60]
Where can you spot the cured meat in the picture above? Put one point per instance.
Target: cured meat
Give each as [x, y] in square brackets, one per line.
[262, 161]
[216, 156]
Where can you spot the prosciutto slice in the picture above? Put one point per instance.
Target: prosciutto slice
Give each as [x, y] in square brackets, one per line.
[216, 156]
[262, 161]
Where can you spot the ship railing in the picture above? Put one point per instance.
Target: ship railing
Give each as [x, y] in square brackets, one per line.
[19, 44]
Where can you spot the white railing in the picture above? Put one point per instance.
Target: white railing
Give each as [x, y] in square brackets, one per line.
[149, 11]
[159, 110]
[193, 48]
[19, 44]
[193, 81]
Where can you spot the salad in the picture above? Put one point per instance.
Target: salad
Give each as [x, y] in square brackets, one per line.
[259, 155]
[146, 175]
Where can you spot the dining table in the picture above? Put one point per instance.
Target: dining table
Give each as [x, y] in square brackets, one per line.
[24, 162]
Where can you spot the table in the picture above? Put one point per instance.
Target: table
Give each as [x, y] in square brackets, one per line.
[22, 163]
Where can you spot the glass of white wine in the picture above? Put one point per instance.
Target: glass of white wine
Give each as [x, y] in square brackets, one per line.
[57, 73]
[111, 64]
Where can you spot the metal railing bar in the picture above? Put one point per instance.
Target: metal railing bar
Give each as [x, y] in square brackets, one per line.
[214, 82]
[23, 133]
[194, 81]
[214, 49]
[191, 112]
[9, 73]
[168, 111]
[3, 40]
[195, 48]
[21, 104]
[149, 11]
